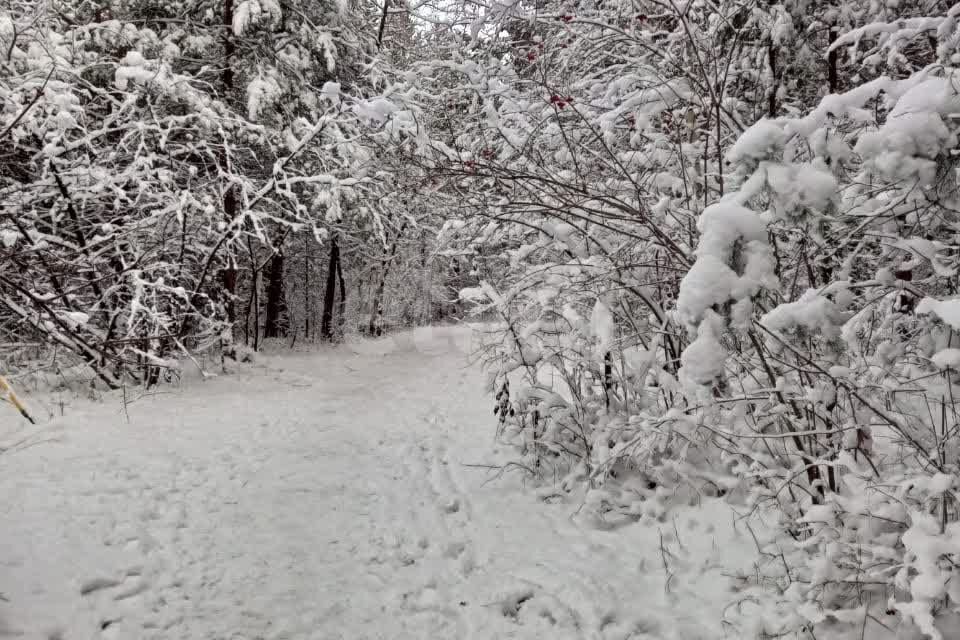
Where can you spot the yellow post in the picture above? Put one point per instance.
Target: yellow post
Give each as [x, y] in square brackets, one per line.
[12, 398]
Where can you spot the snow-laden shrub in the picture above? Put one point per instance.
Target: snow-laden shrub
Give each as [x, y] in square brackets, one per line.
[851, 437]
[783, 319]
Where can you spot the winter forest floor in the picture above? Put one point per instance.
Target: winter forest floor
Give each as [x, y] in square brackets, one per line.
[329, 495]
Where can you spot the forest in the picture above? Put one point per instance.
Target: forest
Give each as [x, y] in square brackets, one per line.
[708, 249]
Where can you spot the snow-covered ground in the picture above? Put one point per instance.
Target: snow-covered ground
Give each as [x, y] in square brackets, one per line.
[328, 495]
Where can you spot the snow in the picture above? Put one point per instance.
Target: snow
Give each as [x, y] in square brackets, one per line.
[946, 310]
[915, 132]
[245, 14]
[947, 359]
[324, 495]
[75, 318]
[812, 311]
[708, 282]
[261, 92]
[724, 227]
[926, 544]
[8, 237]
[603, 327]
[762, 141]
[799, 187]
[928, 250]
[703, 361]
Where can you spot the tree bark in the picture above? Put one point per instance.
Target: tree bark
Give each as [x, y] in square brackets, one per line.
[775, 81]
[228, 280]
[376, 315]
[383, 23]
[329, 296]
[342, 309]
[228, 275]
[832, 64]
[306, 287]
[272, 327]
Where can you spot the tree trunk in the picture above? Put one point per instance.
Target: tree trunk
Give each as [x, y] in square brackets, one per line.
[832, 64]
[607, 377]
[272, 328]
[342, 309]
[376, 315]
[775, 81]
[229, 47]
[383, 23]
[255, 301]
[329, 295]
[228, 276]
[228, 280]
[306, 287]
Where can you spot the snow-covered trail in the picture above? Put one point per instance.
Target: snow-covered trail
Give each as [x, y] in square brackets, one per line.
[326, 495]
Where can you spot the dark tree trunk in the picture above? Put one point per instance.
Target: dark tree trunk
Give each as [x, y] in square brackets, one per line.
[383, 23]
[376, 316]
[832, 65]
[254, 303]
[342, 309]
[228, 280]
[272, 327]
[607, 377]
[229, 47]
[256, 310]
[329, 295]
[307, 311]
[775, 76]
[228, 276]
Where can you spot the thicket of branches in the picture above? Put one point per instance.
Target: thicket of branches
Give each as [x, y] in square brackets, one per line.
[178, 177]
[720, 243]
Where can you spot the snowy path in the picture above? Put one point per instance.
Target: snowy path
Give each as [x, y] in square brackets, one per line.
[323, 496]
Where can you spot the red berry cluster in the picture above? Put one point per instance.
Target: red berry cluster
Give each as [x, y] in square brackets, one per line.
[560, 101]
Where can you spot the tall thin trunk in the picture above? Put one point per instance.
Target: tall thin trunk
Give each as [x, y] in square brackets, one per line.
[774, 81]
[383, 23]
[329, 295]
[342, 309]
[255, 302]
[272, 327]
[306, 287]
[376, 316]
[228, 280]
[607, 377]
[228, 276]
[832, 64]
[229, 46]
